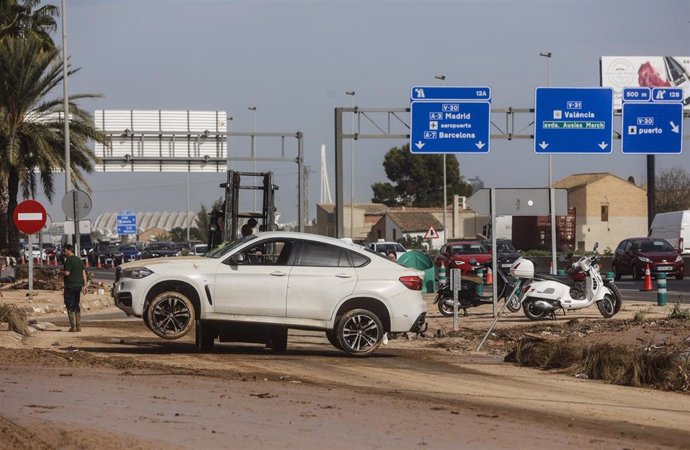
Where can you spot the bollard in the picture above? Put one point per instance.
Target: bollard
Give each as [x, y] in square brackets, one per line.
[480, 285]
[661, 289]
[442, 275]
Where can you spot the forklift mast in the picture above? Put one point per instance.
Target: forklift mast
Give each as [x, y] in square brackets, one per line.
[248, 181]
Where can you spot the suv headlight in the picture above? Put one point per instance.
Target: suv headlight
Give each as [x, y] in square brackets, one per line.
[645, 259]
[136, 273]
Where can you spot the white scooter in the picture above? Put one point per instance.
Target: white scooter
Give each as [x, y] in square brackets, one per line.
[547, 293]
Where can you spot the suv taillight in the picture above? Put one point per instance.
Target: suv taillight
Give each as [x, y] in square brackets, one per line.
[412, 282]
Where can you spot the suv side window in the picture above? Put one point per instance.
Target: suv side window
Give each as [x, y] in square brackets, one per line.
[274, 252]
[317, 254]
[358, 260]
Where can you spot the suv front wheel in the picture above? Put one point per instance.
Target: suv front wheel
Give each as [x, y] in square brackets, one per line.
[359, 332]
[170, 315]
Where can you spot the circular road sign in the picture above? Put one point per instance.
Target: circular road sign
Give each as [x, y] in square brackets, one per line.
[30, 216]
[76, 204]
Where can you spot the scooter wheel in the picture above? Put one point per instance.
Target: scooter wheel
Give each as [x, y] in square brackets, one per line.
[607, 306]
[445, 307]
[532, 312]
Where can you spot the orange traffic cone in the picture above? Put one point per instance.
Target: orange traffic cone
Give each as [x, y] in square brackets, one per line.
[489, 277]
[647, 280]
[86, 263]
[98, 262]
[55, 263]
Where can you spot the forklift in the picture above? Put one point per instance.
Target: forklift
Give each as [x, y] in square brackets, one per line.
[225, 225]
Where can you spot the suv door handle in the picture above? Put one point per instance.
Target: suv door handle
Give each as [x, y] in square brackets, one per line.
[343, 275]
[278, 274]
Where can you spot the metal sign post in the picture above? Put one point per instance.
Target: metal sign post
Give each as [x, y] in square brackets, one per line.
[31, 266]
[455, 285]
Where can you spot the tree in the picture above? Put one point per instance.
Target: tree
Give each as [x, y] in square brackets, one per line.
[418, 179]
[21, 20]
[202, 219]
[672, 190]
[24, 20]
[32, 130]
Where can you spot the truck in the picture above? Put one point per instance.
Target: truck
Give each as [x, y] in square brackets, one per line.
[674, 227]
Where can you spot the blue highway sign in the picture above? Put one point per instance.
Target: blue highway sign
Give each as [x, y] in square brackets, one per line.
[126, 223]
[450, 126]
[573, 120]
[450, 93]
[637, 94]
[654, 127]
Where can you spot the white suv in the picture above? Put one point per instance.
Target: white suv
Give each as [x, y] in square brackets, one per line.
[254, 289]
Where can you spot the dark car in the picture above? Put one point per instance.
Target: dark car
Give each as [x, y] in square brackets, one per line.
[634, 255]
[506, 254]
[159, 249]
[130, 252]
[105, 253]
[458, 255]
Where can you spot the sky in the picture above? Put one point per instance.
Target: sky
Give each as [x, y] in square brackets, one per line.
[294, 61]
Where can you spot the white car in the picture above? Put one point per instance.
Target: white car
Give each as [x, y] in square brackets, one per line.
[36, 252]
[254, 289]
[385, 247]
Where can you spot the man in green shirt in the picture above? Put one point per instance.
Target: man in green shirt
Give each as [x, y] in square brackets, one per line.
[75, 283]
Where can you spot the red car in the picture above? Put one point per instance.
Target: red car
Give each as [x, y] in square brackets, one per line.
[634, 255]
[457, 255]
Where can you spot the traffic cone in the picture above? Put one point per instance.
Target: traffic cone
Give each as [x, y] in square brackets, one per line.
[98, 263]
[647, 280]
[86, 263]
[55, 263]
[489, 277]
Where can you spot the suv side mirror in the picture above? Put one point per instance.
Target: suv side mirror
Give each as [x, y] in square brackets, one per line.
[237, 258]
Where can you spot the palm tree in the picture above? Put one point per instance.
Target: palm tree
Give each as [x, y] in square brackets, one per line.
[21, 19]
[32, 130]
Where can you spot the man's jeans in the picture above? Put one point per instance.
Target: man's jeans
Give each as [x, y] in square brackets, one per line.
[72, 295]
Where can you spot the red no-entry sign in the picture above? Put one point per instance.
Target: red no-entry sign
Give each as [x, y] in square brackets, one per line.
[30, 216]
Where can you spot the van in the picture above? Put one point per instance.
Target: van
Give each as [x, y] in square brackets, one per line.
[674, 227]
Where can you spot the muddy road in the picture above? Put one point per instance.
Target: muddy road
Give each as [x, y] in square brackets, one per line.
[115, 385]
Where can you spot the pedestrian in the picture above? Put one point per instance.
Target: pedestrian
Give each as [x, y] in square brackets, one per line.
[75, 284]
[248, 228]
[392, 255]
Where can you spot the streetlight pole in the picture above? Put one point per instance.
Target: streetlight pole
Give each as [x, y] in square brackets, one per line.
[442, 78]
[65, 105]
[352, 170]
[253, 110]
[552, 199]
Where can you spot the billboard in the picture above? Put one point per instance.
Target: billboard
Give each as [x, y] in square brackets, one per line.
[646, 71]
[162, 141]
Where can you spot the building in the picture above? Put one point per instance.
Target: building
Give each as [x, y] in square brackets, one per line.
[398, 224]
[106, 224]
[607, 209]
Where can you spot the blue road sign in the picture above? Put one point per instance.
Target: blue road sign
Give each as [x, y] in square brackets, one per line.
[482, 93]
[637, 94]
[126, 223]
[665, 94]
[450, 126]
[654, 127]
[573, 120]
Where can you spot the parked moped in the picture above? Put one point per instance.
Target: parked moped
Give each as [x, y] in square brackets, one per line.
[546, 294]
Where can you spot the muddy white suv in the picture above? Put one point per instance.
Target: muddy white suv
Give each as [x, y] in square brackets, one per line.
[255, 289]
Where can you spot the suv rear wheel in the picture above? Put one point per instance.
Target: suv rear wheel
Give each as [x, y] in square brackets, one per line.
[359, 332]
